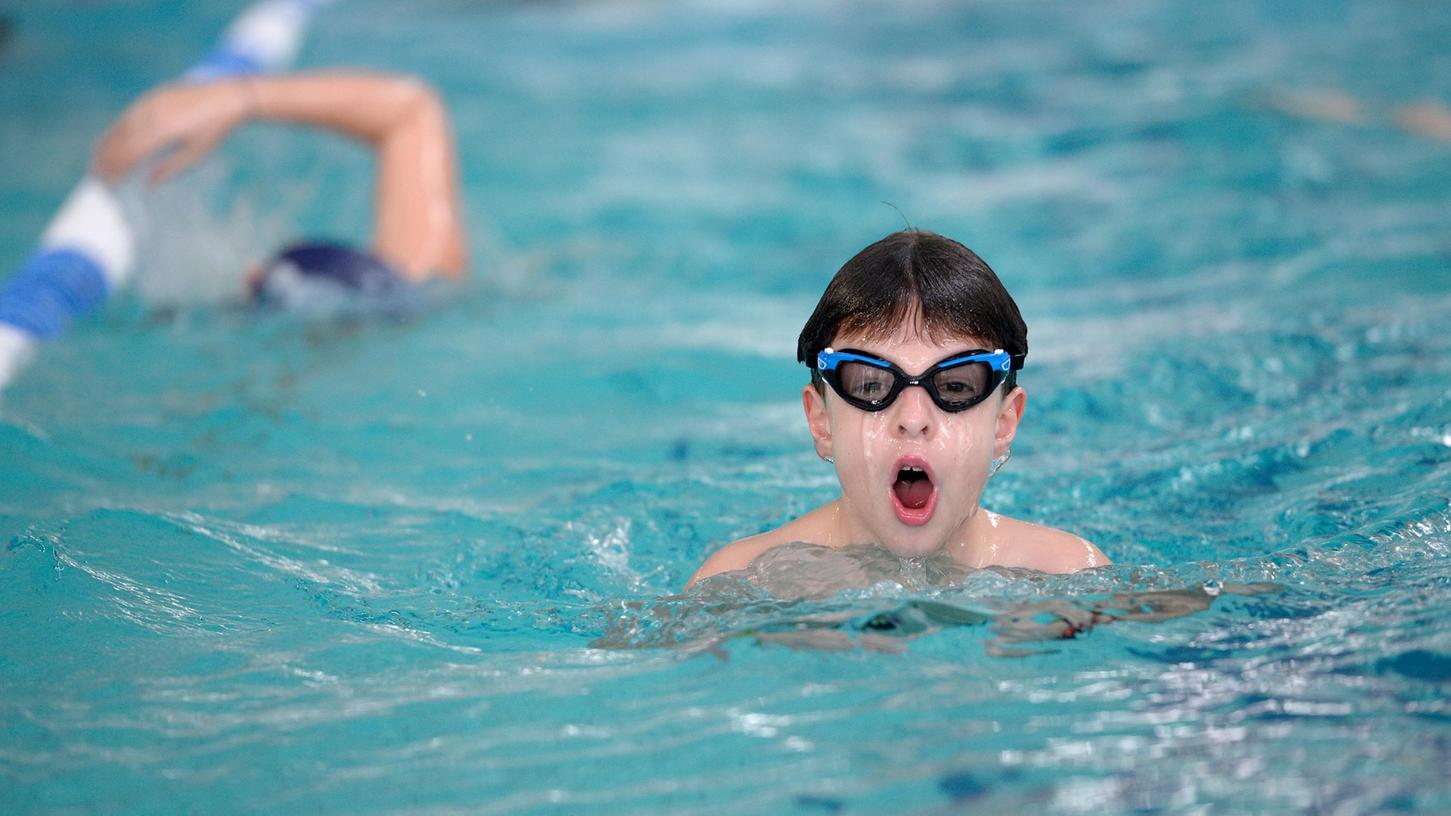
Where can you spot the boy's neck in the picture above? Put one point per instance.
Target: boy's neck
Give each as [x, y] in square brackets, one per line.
[972, 544]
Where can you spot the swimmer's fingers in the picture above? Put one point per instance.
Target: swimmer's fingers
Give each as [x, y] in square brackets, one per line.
[185, 155]
[141, 130]
[194, 119]
[118, 152]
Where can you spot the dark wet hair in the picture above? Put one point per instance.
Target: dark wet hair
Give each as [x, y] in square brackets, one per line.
[920, 276]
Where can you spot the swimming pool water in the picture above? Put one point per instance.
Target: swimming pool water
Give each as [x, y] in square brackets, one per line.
[256, 563]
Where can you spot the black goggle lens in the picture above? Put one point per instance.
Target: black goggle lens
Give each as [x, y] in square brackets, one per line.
[865, 383]
[873, 387]
[963, 385]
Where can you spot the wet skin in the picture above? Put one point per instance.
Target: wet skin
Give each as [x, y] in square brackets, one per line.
[955, 449]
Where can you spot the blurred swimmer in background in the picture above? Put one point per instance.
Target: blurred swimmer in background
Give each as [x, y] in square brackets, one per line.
[418, 231]
[1426, 118]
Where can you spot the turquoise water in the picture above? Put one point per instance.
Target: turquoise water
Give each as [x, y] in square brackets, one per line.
[254, 563]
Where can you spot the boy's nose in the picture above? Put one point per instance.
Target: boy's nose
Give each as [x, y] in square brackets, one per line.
[914, 412]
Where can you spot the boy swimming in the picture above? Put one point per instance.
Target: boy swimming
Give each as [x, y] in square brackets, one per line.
[914, 351]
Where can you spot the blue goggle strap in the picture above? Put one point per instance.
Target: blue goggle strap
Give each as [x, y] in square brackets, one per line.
[828, 359]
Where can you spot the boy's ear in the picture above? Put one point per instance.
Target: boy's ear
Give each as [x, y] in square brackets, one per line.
[816, 419]
[1010, 413]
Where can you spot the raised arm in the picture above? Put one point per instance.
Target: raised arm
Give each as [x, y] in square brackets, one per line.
[417, 223]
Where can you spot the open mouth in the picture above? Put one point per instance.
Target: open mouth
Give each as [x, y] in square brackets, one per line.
[913, 493]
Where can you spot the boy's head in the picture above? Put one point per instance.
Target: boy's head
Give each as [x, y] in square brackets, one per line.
[913, 309]
[938, 285]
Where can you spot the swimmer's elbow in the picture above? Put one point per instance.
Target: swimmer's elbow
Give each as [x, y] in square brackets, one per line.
[423, 104]
[407, 107]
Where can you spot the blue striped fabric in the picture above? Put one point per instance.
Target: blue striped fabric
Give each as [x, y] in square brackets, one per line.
[51, 289]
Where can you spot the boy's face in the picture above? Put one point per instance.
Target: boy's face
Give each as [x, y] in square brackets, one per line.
[884, 500]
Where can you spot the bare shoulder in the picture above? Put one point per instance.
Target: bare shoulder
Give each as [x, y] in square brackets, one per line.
[736, 555]
[739, 554]
[1047, 549]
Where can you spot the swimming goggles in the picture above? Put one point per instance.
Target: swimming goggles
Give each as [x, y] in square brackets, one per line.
[955, 384]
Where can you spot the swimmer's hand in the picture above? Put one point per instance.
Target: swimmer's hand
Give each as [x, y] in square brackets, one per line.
[187, 120]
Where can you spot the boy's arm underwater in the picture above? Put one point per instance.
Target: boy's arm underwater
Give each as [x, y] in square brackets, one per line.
[417, 225]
